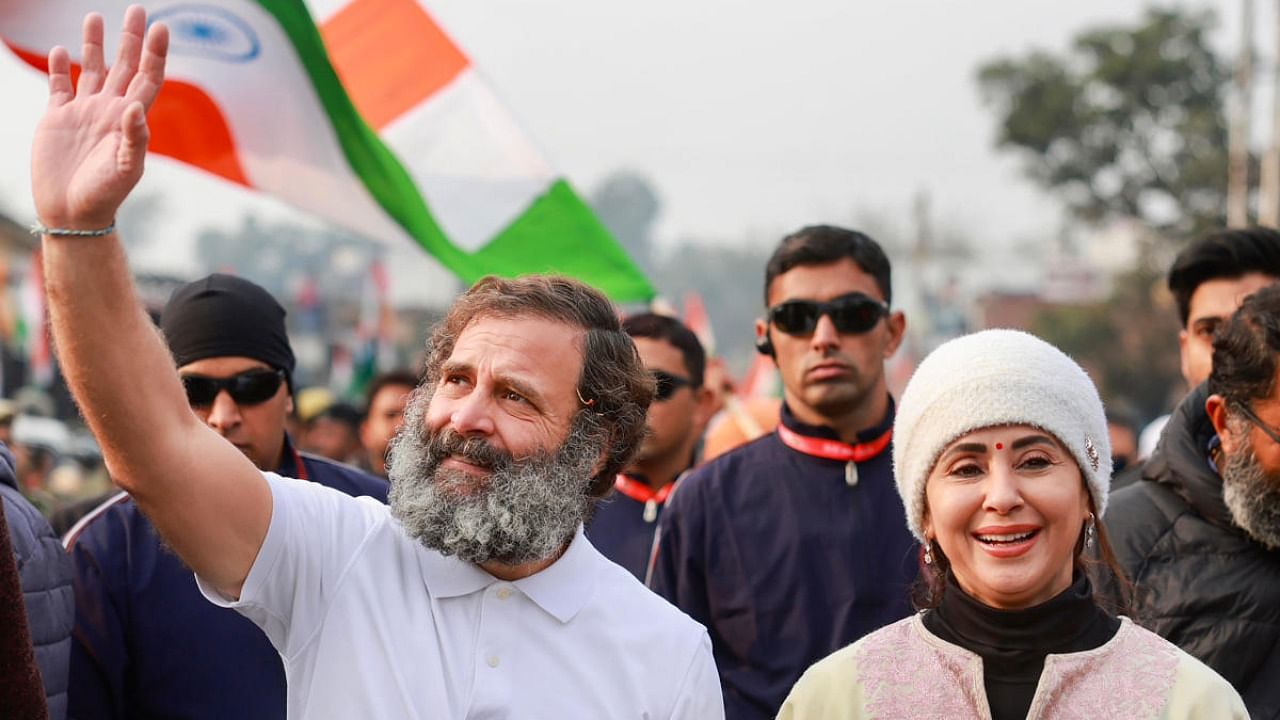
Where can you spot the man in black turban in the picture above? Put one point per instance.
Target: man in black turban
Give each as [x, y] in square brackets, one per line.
[146, 643]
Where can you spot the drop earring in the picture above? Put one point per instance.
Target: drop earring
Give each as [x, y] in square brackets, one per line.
[1089, 531]
[928, 554]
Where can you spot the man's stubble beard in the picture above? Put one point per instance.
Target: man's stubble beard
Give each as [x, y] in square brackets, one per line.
[525, 510]
[835, 399]
[1253, 497]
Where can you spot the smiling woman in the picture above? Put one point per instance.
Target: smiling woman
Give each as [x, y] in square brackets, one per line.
[1001, 457]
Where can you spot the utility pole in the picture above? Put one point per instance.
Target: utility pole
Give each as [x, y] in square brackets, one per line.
[1238, 137]
[1269, 193]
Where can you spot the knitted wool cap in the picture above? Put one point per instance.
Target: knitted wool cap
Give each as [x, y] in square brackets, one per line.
[988, 379]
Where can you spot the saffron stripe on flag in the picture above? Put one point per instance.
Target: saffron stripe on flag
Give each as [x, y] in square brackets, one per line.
[384, 84]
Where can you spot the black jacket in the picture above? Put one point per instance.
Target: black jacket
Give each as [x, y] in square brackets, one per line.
[1199, 580]
[46, 586]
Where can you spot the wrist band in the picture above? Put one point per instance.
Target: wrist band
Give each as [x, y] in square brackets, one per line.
[39, 229]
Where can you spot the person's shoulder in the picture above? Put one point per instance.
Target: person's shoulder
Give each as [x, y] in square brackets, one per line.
[23, 518]
[345, 478]
[1143, 493]
[1142, 508]
[833, 686]
[741, 462]
[620, 592]
[1197, 690]
[29, 533]
[114, 513]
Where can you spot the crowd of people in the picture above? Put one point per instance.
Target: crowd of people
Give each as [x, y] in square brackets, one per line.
[531, 529]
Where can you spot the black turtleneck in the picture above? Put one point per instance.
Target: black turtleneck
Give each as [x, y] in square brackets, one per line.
[1014, 643]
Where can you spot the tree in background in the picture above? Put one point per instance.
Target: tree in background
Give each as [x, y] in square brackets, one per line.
[1129, 123]
[1128, 343]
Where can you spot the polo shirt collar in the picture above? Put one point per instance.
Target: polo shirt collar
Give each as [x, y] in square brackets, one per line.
[568, 584]
[447, 576]
[562, 589]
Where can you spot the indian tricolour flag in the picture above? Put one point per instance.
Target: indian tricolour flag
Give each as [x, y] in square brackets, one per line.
[363, 112]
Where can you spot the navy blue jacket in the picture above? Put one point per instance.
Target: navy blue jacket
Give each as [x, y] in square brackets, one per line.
[620, 532]
[783, 561]
[45, 572]
[147, 643]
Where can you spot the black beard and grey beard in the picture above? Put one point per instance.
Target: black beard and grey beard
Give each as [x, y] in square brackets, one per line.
[1253, 497]
[525, 510]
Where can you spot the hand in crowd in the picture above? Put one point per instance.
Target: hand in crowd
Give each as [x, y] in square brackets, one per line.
[90, 145]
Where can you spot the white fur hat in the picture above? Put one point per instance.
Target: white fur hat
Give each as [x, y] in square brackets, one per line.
[992, 378]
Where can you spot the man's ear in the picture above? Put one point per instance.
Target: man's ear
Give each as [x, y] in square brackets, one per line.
[764, 343]
[897, 324]
[1182, 356]
[1216, 408]
[704, 408]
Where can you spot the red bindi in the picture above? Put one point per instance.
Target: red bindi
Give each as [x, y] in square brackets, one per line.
[999, 446]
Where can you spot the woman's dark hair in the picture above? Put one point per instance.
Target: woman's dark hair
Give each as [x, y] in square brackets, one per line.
[1111, 587]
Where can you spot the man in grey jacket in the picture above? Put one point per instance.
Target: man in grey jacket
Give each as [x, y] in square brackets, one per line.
[45, 571]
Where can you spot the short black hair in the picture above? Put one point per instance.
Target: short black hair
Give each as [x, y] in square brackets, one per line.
[391, 377]
[1224, 255]
[1245, 350]
[677, 334]
[824, 244]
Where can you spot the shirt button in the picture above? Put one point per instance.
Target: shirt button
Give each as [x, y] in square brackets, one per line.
[504, 593]
[493, 661]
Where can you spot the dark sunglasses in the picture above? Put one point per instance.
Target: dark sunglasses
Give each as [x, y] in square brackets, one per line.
[246, 388]
[852, 313]
[1257, 422]
[667, 384]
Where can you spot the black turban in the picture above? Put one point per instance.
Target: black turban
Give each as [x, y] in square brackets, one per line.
[226, 316]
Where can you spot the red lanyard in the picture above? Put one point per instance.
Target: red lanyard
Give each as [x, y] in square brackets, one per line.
[642, 493]
[836, 450]
[299, 468]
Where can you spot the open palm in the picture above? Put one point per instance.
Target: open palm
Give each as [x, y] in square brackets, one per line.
[89, 147]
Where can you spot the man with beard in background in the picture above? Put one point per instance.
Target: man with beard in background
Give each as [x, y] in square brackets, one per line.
[1200, 534]
[476, 594]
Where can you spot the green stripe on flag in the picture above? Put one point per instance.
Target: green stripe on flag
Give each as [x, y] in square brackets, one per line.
[559, 234]
[584, 247]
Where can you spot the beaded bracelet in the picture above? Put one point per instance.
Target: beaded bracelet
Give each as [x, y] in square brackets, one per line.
[39, 229]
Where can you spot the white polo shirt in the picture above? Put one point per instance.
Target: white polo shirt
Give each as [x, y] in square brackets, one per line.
[371, 624]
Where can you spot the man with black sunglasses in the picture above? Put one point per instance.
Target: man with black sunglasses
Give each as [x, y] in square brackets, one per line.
[795, 544]
[147, 644]
[1199, 534]
[624, 524]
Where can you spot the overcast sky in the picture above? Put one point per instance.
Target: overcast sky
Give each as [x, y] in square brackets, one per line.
[751, 118]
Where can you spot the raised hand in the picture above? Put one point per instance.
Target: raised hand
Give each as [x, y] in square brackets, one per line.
[90, 145]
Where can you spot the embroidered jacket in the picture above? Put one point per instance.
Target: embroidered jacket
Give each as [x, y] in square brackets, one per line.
[904, 671]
